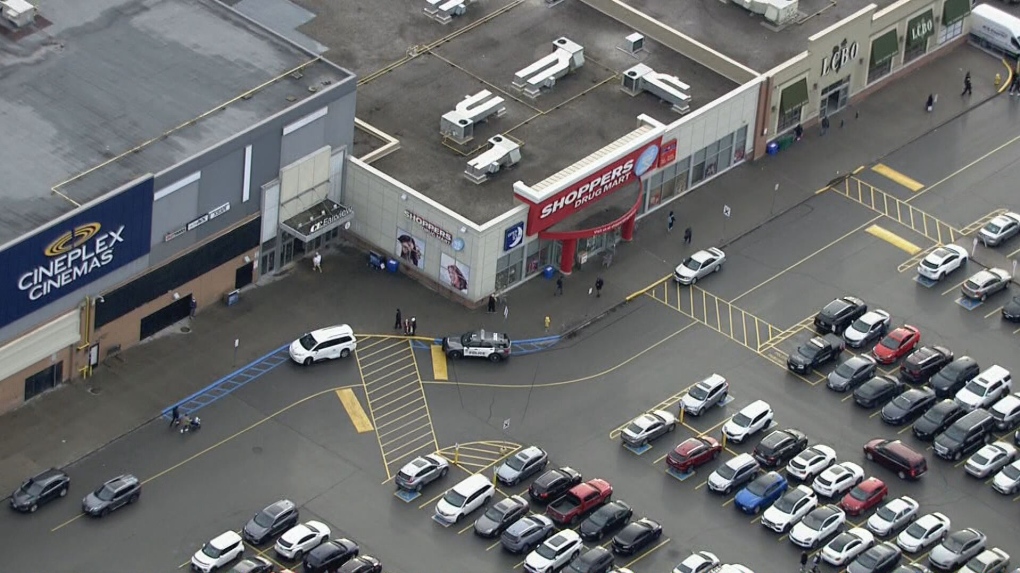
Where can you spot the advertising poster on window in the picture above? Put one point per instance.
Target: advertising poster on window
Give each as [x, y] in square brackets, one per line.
[410, 249]
[454, 274]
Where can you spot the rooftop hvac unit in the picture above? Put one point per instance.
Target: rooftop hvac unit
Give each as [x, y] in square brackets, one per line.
[18, 12]
[635, 43]
[781, 11]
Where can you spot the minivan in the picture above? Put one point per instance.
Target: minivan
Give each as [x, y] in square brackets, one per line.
[470, 494]
[965, 435]
[897, 456]
[324, 344]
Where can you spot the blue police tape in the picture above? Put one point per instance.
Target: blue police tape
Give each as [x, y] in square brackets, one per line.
[228, 383]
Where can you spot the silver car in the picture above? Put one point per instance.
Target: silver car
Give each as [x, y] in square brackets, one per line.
[527, 533]
[957, 549]
[421, 471]
[699, 265]
[521, 465]
[985, 283]
[1000, 229]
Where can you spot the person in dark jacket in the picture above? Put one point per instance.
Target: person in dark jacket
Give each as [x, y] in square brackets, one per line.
[399, 322]
[492, 303]
[598, 287]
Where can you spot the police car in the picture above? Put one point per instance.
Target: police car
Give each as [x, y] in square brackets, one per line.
[478, 344]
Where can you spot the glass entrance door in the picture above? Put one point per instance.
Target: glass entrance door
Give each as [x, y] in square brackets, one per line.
[835, 97]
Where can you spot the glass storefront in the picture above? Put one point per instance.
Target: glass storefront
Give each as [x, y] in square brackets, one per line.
[525, 261]
[919, 29]
[883, 49]
[834, 97]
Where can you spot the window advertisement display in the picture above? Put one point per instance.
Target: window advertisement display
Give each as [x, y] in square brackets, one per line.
[454, 273]
[410, 249]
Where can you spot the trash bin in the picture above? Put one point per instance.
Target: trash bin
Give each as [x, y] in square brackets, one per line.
[548, 272]
[392, 265]
[232, 297]
[786, 141]
[772, 148]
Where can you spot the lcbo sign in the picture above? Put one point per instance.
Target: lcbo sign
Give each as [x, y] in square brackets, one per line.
[841, 56]
[598, 185]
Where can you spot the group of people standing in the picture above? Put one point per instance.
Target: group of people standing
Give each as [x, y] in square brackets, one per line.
[410, 325]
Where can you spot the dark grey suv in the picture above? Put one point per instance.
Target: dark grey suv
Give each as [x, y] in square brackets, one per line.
[113, 494]
[527, 533]
[271, 521]
[47, 486]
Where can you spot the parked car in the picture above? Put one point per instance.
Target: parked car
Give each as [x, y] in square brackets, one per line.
[811, 462]
[992, 560]
[817, 526]
[733, 474]
[327, 343]
[276, 518]
[789, 509]
[636, 535]
[330, 555]
[493, 346]
[1007, 481]
[254, 564]
[693, 452]
[871, 326]
[839, 314]
[937, 419]
[814, 353]
[897, 344]
[761, 493]
[907, 462]
[990, 459]
[924, 532]
[609, 517]
[1006, 412]
[709, 392]
[1000, 229]
[572, 506]
[522, 465]
[878, 391]
[948, 381]
[361, 564]
[846, 546]
[853, 372]
[112, 495]
[647, 427]
[965, 435]
[697, 562]
[501, 515]
[594, 560]
[924, 363]
[555, 553]
[908, 406]
[301, 539]
[942, 261]
[986, 388]
[1011, 310]
[699, 265]
[984, 284]
[553, 484]
[750, 420]
[527, 533]
[893, 516]
[958, 548]
[217, 552]
[421, 471]
[864, 496]
[470, 494]
[40, 489]
[881, 558]
[779, 447]
[838, 479]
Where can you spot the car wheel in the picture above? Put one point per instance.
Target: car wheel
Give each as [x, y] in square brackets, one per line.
[671, 428]
[727, 490]
[345, 353]
[722, 398]
[984, 297]
[454, 354]
[942, 275]
[869, 456]
[133, 498]
[694, 280]
[34, 507]
[957, 456]
[757, 510]
[902, 474]
[417, 488]
[63, 492]
[459, 517]
[495, 357]
[444, 472]
[715, 455]
[718, 268]
[104, 512]
[308, 361]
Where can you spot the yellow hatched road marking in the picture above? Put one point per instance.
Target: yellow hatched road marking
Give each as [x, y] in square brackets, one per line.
[900, 211]
[353, 406]
[439, 363]
[893, 239]
[900, 178]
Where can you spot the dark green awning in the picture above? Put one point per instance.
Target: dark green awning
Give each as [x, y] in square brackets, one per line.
[795, 95]
[954, 10]
[885, 47]
[920, 28]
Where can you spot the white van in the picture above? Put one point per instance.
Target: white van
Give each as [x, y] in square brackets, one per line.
[475, 491]
[994, 29]
[324, 344]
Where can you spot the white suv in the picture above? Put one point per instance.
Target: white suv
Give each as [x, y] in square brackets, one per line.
[753, 418]
[221, 550]
[468, 495]
[555, 553]
[324, 344]
[981, 392]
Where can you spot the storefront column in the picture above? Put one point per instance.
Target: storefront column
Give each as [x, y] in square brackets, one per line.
[567, 252]
[627, 229]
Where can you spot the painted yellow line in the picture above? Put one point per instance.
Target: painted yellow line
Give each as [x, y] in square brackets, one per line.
[903, 180]
[357, 414]
[954, 287]
[439, 363]
[822, 190]
[858, 170]
[1009, 76]
[646, 553]
[893, 239]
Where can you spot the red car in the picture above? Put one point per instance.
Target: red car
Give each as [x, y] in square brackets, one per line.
[692, 453]
[865, 496]
[897, 344]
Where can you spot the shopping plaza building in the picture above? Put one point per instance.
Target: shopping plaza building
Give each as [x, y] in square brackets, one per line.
[144, 184]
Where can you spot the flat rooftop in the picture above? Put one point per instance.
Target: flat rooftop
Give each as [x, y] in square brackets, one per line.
[96, 80]
[482, 49]
[748, 38]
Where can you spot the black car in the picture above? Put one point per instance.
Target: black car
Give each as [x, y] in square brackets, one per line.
[853, 372]
[1011, 310]
[948, 381]
[908, 406]
[839, 314]
[937, 419]
[113, 494]
[815, 352]
[254, 564]
[330, 555]
[924, 362]
[878, 390]
[636, 536]
[780, 447]
[40, 489]
[595, 560]
[361, 564]
[605, 519]
[500, 516]
[553, 484]
[270, 522]
[881, 558]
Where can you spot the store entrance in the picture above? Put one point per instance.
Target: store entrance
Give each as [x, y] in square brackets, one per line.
[164, 317]
[602, 247]
[43, 380]
[834, 97]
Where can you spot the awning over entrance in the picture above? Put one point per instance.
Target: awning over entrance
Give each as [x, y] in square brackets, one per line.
[599, 218]
[954, 10]
[885, 47]
[920, 28]
[795, 95]
[317, 220]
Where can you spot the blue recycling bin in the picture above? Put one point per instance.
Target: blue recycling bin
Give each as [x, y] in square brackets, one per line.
[772, 148]
[392, 265]
[548, 272]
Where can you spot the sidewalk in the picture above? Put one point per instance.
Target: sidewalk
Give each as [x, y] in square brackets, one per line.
[133, 388]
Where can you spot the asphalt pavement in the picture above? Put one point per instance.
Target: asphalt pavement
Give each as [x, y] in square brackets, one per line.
[287, 434]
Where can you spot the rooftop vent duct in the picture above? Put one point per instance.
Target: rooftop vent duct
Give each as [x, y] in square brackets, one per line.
[566, 57]
[667, 88]
[634, 43]
[459, 124]
[503, 153]
[774, 11]
[18, 13]
[443, 11]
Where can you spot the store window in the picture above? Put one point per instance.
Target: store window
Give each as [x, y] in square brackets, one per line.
[509, 268]
[791, 102]
[883, 49]
[919, 29]
[953, 14]
[740, 145]
[43, 380]
[534, 262]
[698, 173]
[683, 175]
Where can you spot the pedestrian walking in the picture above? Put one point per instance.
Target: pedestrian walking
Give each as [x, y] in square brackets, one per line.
[492, 303]
[175, 416]
[407, 326]
[598, 287]
[559, 286]
[966, 85]
[825, 124]
[1014, 87]
[194, 306]
[798, 132]
[399, 322]
[687, 235]
[930, 104]
[803, 560]
[414, 326]
[317, 262]
[816, 560]
[670, 219]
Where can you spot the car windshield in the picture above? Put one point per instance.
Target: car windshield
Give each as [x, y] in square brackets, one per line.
[726, 471]
[742, 420]
[515, 463]
[634, 428]
[692, 264]
[929, 264]
[885, 513]
[1011, 471]
[699, 392]
[976, 388]
[455, 499]
[808, 350]
[890, 342]
[903, 401]
[758, 487]
[307, 342]
[980, 459]
[545, 551]
[971, 284]
[868, 560]
[263, 519]
[814, 521]
[861, 325]
[859, 494]
[210, 551]
[993, 228]
[916, 530]
[599, 518]
[32, 487]
[845, 370]
[786, 503]
[955, 433]
[494, 514]
[105, 493]
[954, 543]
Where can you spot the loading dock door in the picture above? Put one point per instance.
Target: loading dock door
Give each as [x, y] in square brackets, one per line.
[164, 317]
[244, 275]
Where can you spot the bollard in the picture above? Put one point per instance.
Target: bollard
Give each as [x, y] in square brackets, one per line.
[998, 80]
[493, 477]
[681, 414]
[724, 440]
[456, 453]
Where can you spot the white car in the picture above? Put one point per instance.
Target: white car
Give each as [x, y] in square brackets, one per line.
[999, 229]
[1006, 412]
[753, 418]
[942, 261]
[838, 479]
[893, 515]
[871, 326]
[699, 562]
[1007, 481]
[554, 553]
[789, 509]
[301, 539]
[817, 526]
[470, 494]
[811, 462]
[925, 531]
[846, 546]
[988, 561]
[324, 344]
[219, 551]
[990, 459]
[699, 265]
[985, 388]
[704, 395]
[647, 427]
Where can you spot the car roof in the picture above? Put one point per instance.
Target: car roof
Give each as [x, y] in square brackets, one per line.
[874, 315]
[510, 503]
[741, 461]
[470, 484]
[49, 475]
[122, 481]
[278, 507]
[713, 381]
[331, 331]
[529, 453]
[703, 255]
[754, 408]
[225, 539]
[871, 484]
[942, 253]
[562, 538]
[993, 372]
